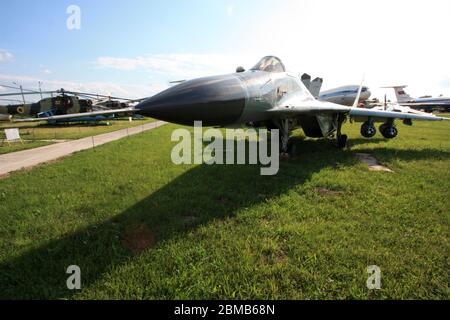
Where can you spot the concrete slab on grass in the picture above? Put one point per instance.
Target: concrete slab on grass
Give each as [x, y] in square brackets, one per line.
[372, 163]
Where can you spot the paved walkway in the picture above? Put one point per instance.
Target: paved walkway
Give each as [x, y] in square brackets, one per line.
[29, 158]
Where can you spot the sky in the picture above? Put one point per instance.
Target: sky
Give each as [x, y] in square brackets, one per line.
[134, 48]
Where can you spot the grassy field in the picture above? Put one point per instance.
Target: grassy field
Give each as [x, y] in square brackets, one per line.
[140, 227]
[40, 134]
[17, 146]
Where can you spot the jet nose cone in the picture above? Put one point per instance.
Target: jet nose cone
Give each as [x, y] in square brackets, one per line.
[215, 100]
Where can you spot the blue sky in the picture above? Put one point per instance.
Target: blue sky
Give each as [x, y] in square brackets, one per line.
[35, 32]
[134, 48]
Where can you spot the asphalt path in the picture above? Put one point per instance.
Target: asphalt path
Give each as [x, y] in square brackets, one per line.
[29, 158]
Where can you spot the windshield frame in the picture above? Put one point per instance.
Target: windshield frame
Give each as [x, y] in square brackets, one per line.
[270, 64]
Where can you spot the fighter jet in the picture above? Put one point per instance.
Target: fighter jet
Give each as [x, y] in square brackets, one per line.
[265, 96]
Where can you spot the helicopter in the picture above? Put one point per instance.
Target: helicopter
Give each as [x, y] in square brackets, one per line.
[64, 103]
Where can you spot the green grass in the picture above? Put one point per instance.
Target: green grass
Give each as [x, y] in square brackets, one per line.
[39, 134]
[17, 146]
[227, 232]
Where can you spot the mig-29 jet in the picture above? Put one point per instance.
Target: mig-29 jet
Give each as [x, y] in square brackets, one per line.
[266, 96]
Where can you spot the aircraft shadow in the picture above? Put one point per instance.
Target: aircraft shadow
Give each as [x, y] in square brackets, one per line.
[357, 141]
[197, 197]
[388, 154]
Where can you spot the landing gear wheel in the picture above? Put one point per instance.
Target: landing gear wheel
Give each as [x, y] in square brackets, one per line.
[342, 141]
[389, 132]
[368, 130]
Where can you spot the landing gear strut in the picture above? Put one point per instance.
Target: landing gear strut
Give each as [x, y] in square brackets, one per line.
[284, 137]
[341, 139]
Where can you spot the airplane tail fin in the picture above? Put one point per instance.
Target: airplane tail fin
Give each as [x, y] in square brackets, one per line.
[306, 79]
[313, 86]
[400, 93]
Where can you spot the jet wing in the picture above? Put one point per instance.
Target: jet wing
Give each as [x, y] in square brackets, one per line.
[78, 115]
[299, 105]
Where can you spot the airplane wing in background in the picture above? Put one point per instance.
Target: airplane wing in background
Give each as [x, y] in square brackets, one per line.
[75, 116]
[298, 105]
[426, 104]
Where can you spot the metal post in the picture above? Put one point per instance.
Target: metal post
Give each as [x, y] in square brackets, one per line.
[21, 91]
[40, 90]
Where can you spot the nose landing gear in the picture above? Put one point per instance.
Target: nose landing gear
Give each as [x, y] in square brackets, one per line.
[341, 139]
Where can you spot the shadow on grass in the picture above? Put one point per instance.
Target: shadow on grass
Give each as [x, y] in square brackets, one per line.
[388, 154]
[197, 197]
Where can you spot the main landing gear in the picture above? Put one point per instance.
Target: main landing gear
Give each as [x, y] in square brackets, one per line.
[388, 130]
[368, 129]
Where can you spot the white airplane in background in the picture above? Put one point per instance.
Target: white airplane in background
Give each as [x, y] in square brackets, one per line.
[345, 95]
[405, 99]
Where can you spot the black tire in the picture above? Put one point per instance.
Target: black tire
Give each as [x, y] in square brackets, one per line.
[342, 141]
[389, 132]
[368, 130]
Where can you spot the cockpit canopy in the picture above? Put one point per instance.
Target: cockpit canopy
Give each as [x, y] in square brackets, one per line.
[270, 64]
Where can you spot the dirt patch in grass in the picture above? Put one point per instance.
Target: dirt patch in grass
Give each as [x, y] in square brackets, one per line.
[138, 238]
[328, 192]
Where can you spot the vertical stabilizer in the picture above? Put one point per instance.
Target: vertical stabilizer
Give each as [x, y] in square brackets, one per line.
[315, 87]
[400, 93]
[306, 79]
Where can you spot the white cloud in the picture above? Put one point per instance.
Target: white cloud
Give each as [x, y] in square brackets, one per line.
[176, 66]
[230, 10]
[6, 55]
[45, 69]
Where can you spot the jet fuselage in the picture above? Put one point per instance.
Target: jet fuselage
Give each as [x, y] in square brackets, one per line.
[222, 100]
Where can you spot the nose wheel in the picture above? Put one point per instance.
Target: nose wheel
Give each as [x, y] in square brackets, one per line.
[341, 139]
[284, 137]
[284, 130]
